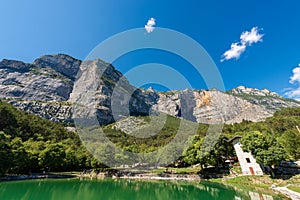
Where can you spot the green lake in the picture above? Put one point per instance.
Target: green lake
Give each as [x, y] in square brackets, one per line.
[73, 189]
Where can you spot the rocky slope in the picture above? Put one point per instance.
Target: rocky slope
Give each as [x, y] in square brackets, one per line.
[42, 87]
[265, 98]
[50, 85]
[210, 107]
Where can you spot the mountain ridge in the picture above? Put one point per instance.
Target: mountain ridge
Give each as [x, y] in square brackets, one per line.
[46, 87]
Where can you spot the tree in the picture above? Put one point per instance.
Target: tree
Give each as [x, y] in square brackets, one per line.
[190, 155]
[33, 149]
[265, 147]
[7, 118]
[19, 156]
[207, 152]
[222, 150]
[196, 153]
[5, 153]
[29, 143]
[273, 155]
[53, 156]
[290, 140]
[255, 142]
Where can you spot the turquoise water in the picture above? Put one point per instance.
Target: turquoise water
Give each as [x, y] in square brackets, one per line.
[73, 189]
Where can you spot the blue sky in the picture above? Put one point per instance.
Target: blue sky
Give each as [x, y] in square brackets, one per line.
[33, 28]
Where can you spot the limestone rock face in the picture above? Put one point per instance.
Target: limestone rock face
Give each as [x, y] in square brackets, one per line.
[42, 84]
[210, 107]
[38, 88]
[52, 84]
[58, 111]
[61, 63]
[265, 98]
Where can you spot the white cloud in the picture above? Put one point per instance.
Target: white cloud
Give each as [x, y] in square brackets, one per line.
[150, 25]
[246, 39]
[296, 75]
[251, 37]
[235, 51]
[294, 93]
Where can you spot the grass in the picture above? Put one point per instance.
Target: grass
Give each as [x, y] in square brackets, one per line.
[165, 129]
[217, 180]
[293, 181]
[237, 169]
[256, 181]
[294, 188]
[259, 184]
[188, 170]
[51, 73]
[158, 171]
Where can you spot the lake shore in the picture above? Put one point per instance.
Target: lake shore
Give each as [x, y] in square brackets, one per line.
[35, 176]
[102, 175]
[196, 178]
[151, 176]
[143, 176]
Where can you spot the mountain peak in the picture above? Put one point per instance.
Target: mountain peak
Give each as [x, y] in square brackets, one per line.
[15, 64]
[266, 98]
[61, 63]
[46, 88]
[242, 90]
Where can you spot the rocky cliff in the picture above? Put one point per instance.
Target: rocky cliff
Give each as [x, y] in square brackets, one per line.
[210, 107]
[264, 98]
[49, 86]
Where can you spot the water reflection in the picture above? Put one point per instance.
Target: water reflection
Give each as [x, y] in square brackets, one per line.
[258, 196]
[74, 189]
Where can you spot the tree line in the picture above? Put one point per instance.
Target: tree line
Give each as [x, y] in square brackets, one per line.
[30, 144]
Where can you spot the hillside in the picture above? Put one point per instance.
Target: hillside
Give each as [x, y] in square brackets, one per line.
[49, 86]
[31, 144]
[265, 98]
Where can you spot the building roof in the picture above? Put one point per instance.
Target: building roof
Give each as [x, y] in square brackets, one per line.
[236, 137]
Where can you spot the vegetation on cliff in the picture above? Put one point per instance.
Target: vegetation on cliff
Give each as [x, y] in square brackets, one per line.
[31, 144]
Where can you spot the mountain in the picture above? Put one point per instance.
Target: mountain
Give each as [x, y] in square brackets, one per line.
[265, 98]
[42, 87]
[49, 86]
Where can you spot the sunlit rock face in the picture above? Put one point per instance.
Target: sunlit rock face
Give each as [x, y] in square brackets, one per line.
[51, 85]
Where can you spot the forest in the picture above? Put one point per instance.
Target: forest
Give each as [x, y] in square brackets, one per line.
[31, 144]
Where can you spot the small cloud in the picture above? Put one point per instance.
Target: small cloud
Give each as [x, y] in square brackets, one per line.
[294, 93]
[296, 75]
[251, 37]
[150, 25]
[246, 39]
[235, 51]
[284, 90]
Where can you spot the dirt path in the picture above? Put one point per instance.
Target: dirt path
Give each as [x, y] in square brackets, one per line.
[287, 192]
